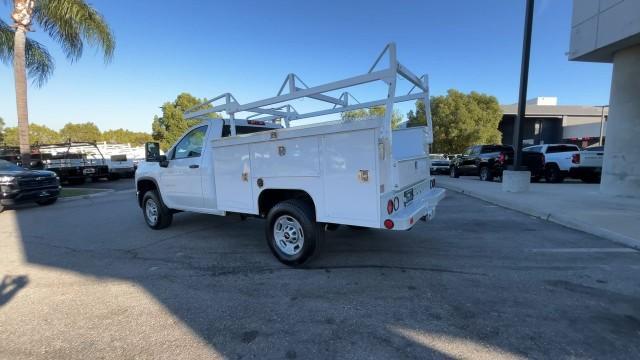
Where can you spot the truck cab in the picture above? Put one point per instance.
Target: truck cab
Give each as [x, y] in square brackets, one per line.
[184, 173]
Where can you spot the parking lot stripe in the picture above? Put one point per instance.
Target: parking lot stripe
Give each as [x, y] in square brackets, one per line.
[588, 250]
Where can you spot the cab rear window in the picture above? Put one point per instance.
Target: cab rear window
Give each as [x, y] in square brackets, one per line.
[240, 130]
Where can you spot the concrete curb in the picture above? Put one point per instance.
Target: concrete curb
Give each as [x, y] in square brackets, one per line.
[561, 219]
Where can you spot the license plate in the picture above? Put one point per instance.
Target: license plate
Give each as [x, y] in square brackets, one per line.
[88, 171]
[408, 196]
[44, 193]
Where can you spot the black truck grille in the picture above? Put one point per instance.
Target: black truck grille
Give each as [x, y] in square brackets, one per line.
[36, 182]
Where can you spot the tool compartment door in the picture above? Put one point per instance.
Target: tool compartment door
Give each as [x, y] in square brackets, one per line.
[350, 178]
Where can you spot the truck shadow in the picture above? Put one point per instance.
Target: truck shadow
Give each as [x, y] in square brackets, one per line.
[373, 294]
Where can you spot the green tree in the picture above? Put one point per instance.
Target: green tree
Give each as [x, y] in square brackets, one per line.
[1, 130]
[172, 124]
[122, 136]
[396, 117]
[71, 23]
[460, 120]
[81, 132]
[38, 134]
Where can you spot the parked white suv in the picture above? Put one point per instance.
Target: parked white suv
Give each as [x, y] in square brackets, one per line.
[557, 159]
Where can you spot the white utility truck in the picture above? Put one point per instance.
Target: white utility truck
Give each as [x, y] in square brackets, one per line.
[301, 179]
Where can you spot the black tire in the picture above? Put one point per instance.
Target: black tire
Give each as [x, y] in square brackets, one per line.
[485, 174]
[163, 215]
[46, 202]
[358, 228]
[312, 233]
[453, 172]
[553, 175]
[113, 177]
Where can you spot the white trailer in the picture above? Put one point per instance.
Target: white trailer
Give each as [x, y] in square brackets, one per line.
[301, 179]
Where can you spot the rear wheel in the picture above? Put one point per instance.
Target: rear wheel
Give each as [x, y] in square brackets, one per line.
[453, 172]
[485, 174]
[292, 232]
[46, 202]
[553, 174]
[156, 214]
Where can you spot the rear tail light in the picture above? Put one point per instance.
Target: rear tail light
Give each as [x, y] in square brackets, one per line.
[389, 224]
[575, 158]
[390, 207]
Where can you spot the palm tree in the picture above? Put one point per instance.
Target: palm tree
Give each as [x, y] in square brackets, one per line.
[71, 23]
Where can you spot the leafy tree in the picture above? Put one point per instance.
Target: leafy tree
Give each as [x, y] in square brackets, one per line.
[71, 23]
[38, 134]
[460, 120]
[122, 136]
[396, 117]
[80, 132]
[1, 130]
[172, 124]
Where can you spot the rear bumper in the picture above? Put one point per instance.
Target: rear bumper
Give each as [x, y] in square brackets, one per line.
[423, 208]
[29, 195]
[579, 171]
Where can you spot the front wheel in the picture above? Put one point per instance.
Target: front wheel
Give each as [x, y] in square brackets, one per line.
[292, 232]
[156, 214]
[485, 174]
[453, 172]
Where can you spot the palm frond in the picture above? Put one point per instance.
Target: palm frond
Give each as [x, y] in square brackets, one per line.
[6, 42]
[39, 62]
[72, 23]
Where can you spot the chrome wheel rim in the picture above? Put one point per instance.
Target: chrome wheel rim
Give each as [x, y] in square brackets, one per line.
[288, 235]
[151, 210]
[483, 174]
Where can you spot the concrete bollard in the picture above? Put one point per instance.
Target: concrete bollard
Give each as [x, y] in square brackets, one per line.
[516, 181]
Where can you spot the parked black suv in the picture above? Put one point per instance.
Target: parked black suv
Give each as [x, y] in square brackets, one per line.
[18, 185]
[489, 161]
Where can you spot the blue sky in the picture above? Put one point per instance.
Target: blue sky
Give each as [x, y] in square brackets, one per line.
[247, 47]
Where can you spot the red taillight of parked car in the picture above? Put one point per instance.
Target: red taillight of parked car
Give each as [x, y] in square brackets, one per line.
[390, 207]
[501, 158]
[389, 224]
[575, 158]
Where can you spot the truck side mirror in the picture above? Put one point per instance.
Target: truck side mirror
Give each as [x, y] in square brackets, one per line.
[152, 152]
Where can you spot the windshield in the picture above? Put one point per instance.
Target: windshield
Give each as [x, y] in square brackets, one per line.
[7, 166]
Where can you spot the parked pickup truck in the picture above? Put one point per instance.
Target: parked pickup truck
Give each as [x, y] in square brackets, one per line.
[489, 161]
[18, 185]
[587, 164]
[558, 159]
[301, 179]
[120, 167]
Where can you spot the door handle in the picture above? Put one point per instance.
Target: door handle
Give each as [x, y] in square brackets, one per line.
[194, 166]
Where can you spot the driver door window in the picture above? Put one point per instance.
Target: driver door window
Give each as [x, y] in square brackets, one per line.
[191, 145]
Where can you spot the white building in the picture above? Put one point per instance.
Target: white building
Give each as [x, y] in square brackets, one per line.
[609, 31]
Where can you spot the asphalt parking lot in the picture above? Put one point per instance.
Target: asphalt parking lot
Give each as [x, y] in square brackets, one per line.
[87, 279]
[117, 185]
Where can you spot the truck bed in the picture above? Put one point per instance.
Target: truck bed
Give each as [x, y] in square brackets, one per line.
[341, 164]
